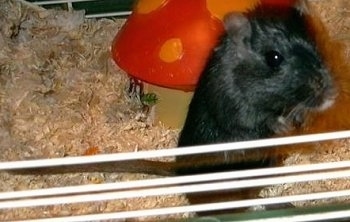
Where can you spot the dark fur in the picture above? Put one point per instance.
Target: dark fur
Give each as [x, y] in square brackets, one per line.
[241, 97]
[244, 95]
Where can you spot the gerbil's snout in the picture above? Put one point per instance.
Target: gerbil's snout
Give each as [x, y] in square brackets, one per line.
[324, 90]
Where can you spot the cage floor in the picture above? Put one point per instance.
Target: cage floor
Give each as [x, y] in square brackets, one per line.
[61, 95]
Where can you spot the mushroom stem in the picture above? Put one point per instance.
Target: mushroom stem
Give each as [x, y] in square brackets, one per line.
[172, 105]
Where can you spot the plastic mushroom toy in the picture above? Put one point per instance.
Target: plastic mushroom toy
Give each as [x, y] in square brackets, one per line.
[165, 44]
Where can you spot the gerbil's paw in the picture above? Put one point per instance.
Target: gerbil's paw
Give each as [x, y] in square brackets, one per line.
[282, 126]
[272, 207]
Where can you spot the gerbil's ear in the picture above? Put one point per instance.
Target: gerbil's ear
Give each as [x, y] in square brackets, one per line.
[237, 25]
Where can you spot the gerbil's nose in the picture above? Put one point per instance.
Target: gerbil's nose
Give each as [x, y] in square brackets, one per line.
[318, 83]
[322, 81]
[325, 90]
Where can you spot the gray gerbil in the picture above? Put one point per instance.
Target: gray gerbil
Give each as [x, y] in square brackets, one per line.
[262, 79]
[263, 76]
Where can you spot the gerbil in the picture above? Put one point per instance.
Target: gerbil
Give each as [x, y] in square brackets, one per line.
[263, 78]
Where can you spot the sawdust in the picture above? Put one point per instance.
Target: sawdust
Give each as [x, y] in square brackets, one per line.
[61, 95]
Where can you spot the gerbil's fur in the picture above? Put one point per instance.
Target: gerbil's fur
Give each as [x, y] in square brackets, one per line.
[335, 118]
[262, 80]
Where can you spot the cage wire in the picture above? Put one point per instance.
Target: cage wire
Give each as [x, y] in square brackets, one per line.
[184, 184]
[195, 183]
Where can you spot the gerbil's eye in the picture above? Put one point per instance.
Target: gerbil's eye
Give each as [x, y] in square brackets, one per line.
[273, 58]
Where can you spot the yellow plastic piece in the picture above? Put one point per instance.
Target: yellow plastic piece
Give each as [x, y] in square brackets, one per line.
[147, 6]
[172, 105]
[219, 8]
[171, 50]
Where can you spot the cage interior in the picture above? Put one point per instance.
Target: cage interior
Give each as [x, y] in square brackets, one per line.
[61, 95]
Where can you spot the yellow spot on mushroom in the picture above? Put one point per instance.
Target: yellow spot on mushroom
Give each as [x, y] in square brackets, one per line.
[147, 6]
[219, 8]
[171, 50]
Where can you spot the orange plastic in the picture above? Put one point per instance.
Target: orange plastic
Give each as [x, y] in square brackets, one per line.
[220, 8]
[278, 3]
[191, 27]
[144, 7]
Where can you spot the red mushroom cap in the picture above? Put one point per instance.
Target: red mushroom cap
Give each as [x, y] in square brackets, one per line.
[167, 42]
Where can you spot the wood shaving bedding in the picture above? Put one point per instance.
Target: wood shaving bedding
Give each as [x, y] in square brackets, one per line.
[60, 95]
